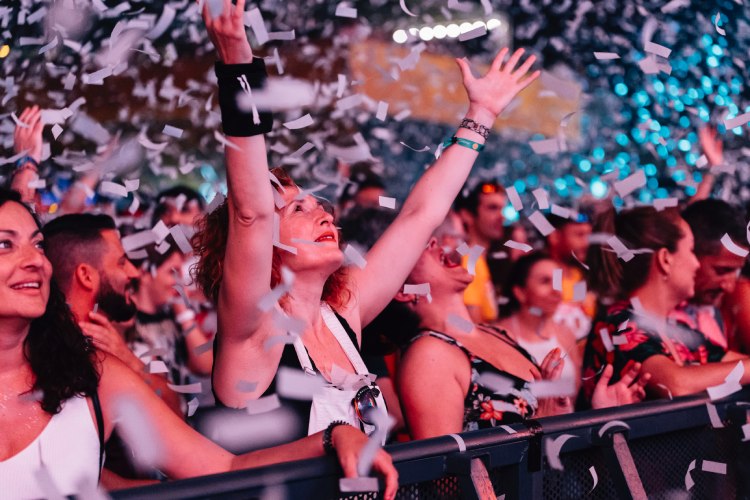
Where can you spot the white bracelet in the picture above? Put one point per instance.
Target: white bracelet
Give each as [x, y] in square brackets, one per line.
[184, 316]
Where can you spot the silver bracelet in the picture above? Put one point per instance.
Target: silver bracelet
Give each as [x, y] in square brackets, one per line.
[475, 127]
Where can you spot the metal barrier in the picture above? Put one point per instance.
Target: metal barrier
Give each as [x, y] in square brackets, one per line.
[653, 449]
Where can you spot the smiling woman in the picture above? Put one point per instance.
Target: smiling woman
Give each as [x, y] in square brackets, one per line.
[62, 398]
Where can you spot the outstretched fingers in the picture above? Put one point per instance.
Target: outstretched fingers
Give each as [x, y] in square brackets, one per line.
[508, 68]
[524, 68]
[499, 58]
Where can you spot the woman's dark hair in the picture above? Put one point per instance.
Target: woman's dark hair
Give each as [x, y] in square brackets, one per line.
[393, 328]
[517, 277]
[638, 228]
[210, 245]
[59, 354]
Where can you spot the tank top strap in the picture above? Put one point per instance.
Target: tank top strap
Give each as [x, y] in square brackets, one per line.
[441, 336]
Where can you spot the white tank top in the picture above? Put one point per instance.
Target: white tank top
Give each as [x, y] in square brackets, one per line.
[540, 349]
[67, 449]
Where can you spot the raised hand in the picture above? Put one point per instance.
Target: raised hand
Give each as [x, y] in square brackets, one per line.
[491, 94]
[348, 443]
[227, 33]
[629, 389]
[28, 136]
[106, 338]
[552, 365]
[712, 145]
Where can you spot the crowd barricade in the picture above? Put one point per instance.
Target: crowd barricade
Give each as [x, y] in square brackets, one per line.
[669, 449]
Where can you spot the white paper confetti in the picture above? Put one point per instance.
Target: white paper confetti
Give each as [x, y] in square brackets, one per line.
[382, 112]
[192, 406]
[737, 121]
[714, 467]
[344, 10]
[358, 484]
[545, 146]
[524, 247]
[195, 388]
[733, 247]
[630, 183]
[557, 279]
[296, 384]
[172, 131]
[662, 203]
[689, 483]
[594, 477]
[713, 416]
[541, 223]
[301, 122]
[473, 33]
[263, 405]
[719, 30]
[402, 3]
[541, 197]
[514, 198]
[659, 50]
[460, 323]
[553, 447]
[354, 257]
[387, 202]
[460, 441]
[606, 56]
[254, 20]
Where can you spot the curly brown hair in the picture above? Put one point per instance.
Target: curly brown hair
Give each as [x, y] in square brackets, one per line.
[210, 245]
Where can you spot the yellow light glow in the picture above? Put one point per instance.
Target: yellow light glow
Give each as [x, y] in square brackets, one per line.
[4, 51]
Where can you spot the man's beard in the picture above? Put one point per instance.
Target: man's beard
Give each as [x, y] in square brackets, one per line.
[113, 304]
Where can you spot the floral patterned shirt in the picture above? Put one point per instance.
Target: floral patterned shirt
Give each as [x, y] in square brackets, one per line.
[619, 339]
[483, 407]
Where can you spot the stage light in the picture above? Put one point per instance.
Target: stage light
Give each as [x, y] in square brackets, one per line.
[400, 36]
[426, 33]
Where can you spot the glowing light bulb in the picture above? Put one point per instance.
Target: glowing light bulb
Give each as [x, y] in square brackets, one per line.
[400, 36]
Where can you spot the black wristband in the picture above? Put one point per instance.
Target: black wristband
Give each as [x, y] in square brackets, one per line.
[238, 122]
[328, 434]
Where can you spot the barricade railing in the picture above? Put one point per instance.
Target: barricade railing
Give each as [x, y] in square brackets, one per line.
[657, 449]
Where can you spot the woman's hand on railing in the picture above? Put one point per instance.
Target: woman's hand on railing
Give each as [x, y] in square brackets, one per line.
[490, 94]
[348, 443]
[629, 389]
[227, 33]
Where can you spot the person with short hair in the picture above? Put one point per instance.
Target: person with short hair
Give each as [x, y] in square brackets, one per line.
[481, 211]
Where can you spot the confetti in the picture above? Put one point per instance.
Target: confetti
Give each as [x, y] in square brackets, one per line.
[263, 405]
[344, 10]
[460, 441]
[553, 447]
[460, 323]
[714, 467]
[689, 483]
[662, 203]
[713, 416]
[738, 121]
[606, 56]
[382, 112]
[172, 131]
[541, 197]
[514, 198]
[731, 384]
[612, 424]
[296, 384]
[630, 183]
[594, 477]
[387, 202]
[473, 33]
[524, 247]
[545, 146]
[301, 122]
[195, 388]
[354, 257]
[719, 30]
[557, 278]
[541, 223]
[192, 406]
[358, 484]
[659, 50]
[402, 4]
[733, 247]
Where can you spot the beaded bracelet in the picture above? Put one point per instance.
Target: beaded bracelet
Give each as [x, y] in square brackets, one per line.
[463, 142]
[480, 129]
[328, 436]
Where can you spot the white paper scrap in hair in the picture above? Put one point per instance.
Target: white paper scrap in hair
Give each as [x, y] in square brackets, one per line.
[524, 247]
[354, 257]
[195, 388]
[514, 198]
[386, 202]
[296, 384]
[630, 183]
[358, 484]
[553, 447]
[301, 122]
[737, 121]
[344, 10]
[541, 197]
[541, 223]
[733, 247]
[459, 322]
[606, 56]
[620, 249]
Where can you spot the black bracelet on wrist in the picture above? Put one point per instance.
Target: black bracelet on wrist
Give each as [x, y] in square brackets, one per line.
[480, 129]
[328, 435]
[233, 79]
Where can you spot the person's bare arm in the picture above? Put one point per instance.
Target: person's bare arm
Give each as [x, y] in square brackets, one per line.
[27, 139]
[180, 452]
[393, 256]
[682, 380]
[242, 327]
[713, 148]
[432, 398]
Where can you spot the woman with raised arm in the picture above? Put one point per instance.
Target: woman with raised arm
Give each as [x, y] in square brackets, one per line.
[647, 278]
[242, 258]
[62, 398]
